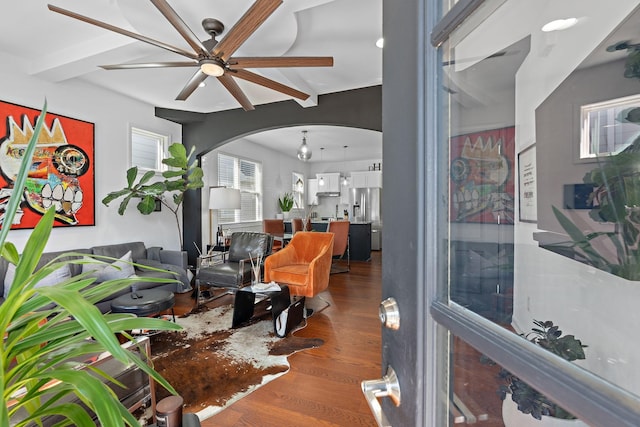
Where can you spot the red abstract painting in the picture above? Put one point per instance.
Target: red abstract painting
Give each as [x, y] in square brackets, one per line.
[482, 176]
[62, 171]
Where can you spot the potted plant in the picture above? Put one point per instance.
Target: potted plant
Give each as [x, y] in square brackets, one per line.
[185, 175]
[528, 400]
[50, 331]
[286, 204]
[615, 200]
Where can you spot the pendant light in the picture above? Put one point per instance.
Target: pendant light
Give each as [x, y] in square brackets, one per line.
[321, 180]
[304, 152]
[344, 160]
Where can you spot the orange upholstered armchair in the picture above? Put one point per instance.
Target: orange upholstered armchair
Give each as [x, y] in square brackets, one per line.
[304, 264]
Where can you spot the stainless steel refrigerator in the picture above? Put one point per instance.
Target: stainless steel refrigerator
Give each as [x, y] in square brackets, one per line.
[366, 206]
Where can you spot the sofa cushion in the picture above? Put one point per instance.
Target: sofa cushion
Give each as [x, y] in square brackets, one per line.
[93, 267]
[120, 269]
[55, 277]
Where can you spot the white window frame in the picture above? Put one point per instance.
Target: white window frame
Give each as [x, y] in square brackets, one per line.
[298, 190]
[612, 131]
[162, 143]
[236, 216]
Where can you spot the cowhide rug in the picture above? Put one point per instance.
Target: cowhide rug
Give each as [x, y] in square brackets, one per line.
[211, 365]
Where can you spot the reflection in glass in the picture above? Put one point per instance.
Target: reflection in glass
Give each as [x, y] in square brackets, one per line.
[575, 261]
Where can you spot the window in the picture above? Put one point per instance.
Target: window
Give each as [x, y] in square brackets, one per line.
[245, 175]
[609, 127]
[297, 189]
[147, 149]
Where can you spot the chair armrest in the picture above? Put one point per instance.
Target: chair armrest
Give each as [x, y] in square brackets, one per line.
[173, 257]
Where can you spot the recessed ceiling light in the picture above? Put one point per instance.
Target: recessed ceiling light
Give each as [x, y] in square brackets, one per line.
[380, 42]
[202, 84]
[559, 24]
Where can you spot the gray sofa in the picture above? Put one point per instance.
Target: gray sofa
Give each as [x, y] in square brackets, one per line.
[173, 262]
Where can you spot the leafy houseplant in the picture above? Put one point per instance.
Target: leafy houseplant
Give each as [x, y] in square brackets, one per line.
[48, 331]
[286, 202]
[186, 175]
[529, 400]
[616, 200]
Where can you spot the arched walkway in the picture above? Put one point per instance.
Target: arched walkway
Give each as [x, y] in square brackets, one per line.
[359, 108]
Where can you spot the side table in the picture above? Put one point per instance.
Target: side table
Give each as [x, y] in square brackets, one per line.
[145, 302]
[245, 300]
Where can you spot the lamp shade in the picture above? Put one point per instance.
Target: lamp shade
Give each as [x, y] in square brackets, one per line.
[224, 198]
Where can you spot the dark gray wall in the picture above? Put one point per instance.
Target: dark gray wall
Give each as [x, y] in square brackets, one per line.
[359, 108]
[558, 134]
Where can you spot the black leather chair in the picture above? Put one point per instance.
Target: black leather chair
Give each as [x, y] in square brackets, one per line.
[232, 269]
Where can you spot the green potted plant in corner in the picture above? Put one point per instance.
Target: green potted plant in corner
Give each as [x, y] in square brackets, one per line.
[535, 408]
[50, 331]
[285, 203]
[185, 175]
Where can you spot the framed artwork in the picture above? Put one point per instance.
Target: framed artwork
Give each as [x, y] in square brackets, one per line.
[482, 176]
[527, 184]
[62, 171]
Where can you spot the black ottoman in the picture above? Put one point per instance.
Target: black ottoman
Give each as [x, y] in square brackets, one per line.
[147, 302]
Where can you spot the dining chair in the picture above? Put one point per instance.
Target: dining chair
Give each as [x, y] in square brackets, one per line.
[275, 228]
[340, 229]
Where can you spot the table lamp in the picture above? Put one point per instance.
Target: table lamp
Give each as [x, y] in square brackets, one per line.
[221, 198]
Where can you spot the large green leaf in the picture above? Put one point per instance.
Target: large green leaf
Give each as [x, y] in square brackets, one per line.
[147, 205]
[146, 177]
[132, 173]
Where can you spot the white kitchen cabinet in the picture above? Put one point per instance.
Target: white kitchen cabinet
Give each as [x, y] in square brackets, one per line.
[331, 182]
[312, 189]
[366, 179]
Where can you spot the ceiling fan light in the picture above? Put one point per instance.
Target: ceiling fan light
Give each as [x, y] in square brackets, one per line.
[559, 25]
[211, 68]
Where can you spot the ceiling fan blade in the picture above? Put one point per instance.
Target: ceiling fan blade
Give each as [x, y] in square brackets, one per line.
[191, 85]
[246, 25]
[150, 65]
[233, 88]
[179, 25]
[286, 61]
[122, 31]
[271, 84]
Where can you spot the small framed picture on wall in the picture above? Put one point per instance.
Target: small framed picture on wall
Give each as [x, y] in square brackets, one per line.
[527, 184]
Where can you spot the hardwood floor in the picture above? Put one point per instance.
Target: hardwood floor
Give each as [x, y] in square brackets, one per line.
[323, 385]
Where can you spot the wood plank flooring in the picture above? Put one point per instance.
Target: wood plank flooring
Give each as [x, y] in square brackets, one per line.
[323, 385]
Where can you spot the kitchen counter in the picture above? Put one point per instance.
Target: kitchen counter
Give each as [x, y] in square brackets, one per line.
[359, 237]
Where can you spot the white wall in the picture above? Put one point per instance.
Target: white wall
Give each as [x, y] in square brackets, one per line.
[112, 114]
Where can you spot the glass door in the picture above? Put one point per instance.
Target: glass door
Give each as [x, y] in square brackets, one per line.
[540, 167]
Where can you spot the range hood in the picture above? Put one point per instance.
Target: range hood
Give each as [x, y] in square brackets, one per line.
[328, 194]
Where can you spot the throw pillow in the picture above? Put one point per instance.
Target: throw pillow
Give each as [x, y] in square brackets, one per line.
[55, 277]
[120, 269]
[93, 266]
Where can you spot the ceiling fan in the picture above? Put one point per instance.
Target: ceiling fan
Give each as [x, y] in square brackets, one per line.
[213, 57]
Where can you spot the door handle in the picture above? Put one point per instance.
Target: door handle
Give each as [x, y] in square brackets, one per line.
[387, 386]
